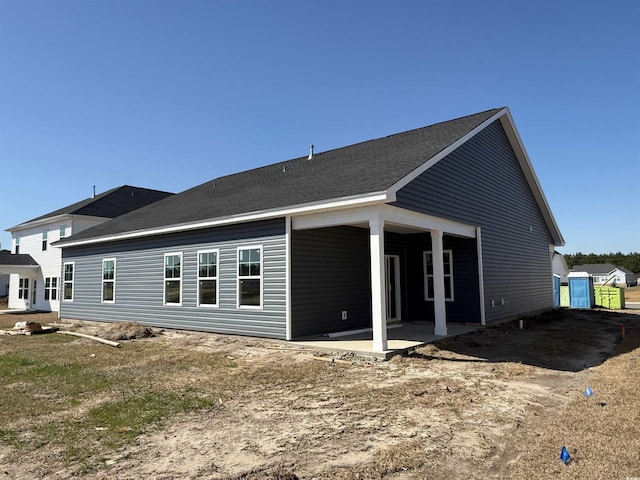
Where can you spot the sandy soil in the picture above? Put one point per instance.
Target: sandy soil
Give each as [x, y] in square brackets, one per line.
[463, 408]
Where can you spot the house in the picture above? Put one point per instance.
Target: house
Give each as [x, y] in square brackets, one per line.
[559, 267]
[34, 279]
[446, 223]
[606, 273]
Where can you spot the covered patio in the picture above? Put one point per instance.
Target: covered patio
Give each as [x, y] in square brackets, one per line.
[392, 280]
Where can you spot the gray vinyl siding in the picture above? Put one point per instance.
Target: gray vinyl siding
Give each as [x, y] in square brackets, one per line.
[139, 290]
[330, 272]
[482, 184]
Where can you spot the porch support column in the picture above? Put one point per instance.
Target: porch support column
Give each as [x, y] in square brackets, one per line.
[378, 298]
[439, 309]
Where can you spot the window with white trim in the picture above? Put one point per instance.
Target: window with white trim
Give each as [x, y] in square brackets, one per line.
[23, 288]
[208, 278]
[108, 280]
[448, 275]
[63, 231]
[250, 277]
[17, 244]
[67, 282]
[51, 288]
[172, 278]
[45, 234]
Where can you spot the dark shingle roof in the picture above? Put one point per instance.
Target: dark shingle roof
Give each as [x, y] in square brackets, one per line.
[110, 204]
[23, 259]
[598, 268]
[367, 167]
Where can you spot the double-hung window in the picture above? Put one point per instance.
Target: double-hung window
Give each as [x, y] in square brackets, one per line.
[51, 288]
[17, 244]
[67, 283]
[250, 277]
[208, 278]
[45, 234]
[109, 280]
[448, 275]
[172, 278]
[63, 231]
[23, 288]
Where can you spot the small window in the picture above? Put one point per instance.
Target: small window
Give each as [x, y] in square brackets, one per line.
[51, 288]
[448, 275]
[250, 277]
[208, 278]
[172, 278]
[23, 288]
[109, 280]
[63, 231]
[17, 244]
[45, 234]
[67, 284]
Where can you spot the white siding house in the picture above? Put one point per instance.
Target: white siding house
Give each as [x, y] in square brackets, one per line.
[38, 286]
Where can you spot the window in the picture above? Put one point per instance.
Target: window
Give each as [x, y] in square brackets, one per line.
[63, 231]
[17, 244]
[208, 278]
[250, 277]
[45, 233]
[67, 284]
[448, 275]
[172, 278]
[51, 288]
[109, 280]
[23, 288]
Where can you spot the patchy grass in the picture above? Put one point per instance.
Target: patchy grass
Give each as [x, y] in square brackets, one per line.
[79, 395]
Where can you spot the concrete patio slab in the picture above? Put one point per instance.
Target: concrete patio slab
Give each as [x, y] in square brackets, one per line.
[402, 338]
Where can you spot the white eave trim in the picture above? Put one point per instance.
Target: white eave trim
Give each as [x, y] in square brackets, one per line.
[55, 219]
[521, 153]
[443, 153]
[523, 158]
[336, 204]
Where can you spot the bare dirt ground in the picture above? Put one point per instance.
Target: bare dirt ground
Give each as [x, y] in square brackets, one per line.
[489, 404]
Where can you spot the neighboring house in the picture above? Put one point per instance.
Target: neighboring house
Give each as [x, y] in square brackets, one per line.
[37, 287]
[559, 267]
[607, 273]
[4, 277]
[446, 223]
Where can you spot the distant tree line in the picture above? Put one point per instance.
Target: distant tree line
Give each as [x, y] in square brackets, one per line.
[630, 261]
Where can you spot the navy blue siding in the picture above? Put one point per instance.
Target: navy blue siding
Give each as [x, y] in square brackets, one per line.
[481, 183]
[140, 281]
[330, 272]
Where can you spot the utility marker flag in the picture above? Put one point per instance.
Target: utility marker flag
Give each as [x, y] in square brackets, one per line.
[564, 455]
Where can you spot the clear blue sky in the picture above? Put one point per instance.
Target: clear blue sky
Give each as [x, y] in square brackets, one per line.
[170, 94]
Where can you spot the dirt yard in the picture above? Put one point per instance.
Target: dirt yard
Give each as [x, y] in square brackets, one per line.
[496, 403]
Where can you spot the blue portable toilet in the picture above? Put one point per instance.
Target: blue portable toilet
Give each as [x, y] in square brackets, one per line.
[580, 290]
[556, 290]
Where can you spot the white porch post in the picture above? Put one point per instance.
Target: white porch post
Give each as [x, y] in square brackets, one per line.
[438, 283]
[378, 298]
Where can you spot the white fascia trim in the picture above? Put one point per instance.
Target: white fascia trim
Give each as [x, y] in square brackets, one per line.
[436, 158]
[525, 163]
[390, 215]
[18, 269]
[400, 216]
[49, 220]
[361, 200]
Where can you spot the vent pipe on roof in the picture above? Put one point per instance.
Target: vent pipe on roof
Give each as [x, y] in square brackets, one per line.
[94, 192]
[310, 152]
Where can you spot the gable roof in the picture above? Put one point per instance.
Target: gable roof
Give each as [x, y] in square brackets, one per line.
[14, 259]
[369, 170]
[109, 204]
[599, 268]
